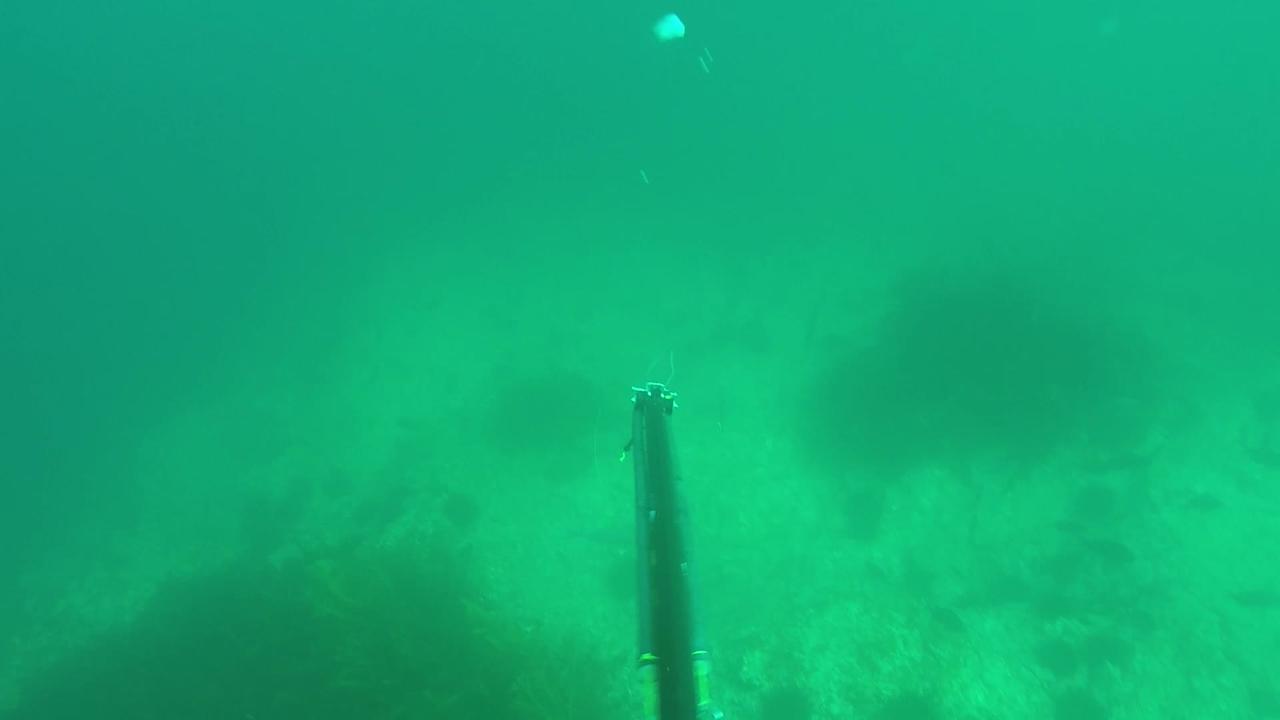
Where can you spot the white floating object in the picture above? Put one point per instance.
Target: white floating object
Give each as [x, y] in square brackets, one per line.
[669, 27]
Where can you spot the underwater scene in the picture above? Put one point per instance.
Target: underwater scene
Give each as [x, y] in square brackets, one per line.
[440, 359]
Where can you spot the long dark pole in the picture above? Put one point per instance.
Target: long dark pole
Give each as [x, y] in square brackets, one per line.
[673, 660]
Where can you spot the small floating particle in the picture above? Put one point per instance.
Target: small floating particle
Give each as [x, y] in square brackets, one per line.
[669, 27]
